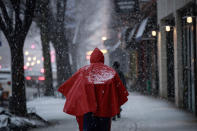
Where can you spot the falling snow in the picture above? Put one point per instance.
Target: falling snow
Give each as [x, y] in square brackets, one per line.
[42, 43]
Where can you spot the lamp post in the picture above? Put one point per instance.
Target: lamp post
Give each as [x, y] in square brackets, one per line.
[154, 35]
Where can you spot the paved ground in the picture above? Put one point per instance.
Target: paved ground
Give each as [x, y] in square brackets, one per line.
[140, 113]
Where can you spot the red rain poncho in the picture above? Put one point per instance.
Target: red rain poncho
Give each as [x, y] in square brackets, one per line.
[94, 88]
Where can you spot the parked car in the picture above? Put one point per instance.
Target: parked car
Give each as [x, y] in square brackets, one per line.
[5, 84]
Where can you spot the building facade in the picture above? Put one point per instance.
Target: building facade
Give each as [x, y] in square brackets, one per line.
[139, 42]
[177, 52]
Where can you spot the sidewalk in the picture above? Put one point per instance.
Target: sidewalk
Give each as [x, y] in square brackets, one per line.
[140, 113]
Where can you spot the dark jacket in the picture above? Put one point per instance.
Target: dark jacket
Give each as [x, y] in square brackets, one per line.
[121, 75]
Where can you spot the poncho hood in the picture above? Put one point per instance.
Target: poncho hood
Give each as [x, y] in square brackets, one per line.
[97, 56]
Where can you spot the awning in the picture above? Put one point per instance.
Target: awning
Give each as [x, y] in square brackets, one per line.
[131, 33]
[123, 33]
[141, 29]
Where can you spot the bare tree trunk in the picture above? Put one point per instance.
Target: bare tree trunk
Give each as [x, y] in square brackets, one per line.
[49, 91]
[18, 99]
[61, 44]
[63, 64]
[15, 31]
[44, 31]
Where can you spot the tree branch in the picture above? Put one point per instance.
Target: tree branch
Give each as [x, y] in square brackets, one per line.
[6, 17]
[18, 24]
[29, 14]
[2, 25]
[64, 8]
[4, 29]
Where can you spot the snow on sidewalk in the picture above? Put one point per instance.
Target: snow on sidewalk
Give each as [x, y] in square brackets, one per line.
[145, 113]
[49, 108]
[9, 121]
[140, 113]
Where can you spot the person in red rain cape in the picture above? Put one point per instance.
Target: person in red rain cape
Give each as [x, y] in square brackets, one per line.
[94, 94]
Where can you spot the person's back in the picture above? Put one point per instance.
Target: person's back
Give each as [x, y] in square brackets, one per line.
[90, 90]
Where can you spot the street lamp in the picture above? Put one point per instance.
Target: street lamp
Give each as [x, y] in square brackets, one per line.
[169, 24]
[154, 33]
[189, 19]
[104, 38]
[167, 28]
[34, 58]
[189, 15]
[32, 63]
[27, 64]
[29, 58]
[38, 61]
[26, 53]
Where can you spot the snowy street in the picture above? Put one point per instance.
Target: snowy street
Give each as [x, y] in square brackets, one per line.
[140, 113]
[95, 52]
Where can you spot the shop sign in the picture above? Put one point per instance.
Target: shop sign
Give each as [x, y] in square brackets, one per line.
[125, 6]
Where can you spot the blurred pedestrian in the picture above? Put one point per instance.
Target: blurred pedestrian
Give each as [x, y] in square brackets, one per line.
[116, 66]
[1, 95]
[90, 90]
